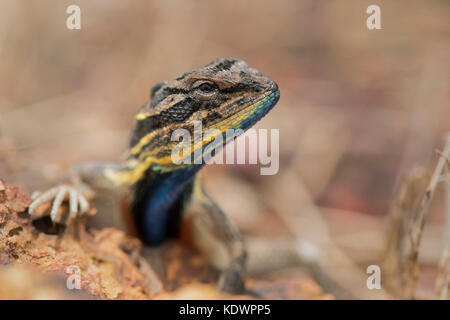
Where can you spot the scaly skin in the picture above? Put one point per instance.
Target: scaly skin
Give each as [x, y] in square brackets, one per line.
[225, 94]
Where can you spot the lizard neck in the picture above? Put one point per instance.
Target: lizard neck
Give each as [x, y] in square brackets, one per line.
[158, 203]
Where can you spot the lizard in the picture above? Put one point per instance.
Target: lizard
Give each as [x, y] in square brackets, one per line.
[167, 199]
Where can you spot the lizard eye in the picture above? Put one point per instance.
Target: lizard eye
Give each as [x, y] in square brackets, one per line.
[207, 87]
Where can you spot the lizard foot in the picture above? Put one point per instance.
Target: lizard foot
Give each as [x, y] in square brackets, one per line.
[77, 198]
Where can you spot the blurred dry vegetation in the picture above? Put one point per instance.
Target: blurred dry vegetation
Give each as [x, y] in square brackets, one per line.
[359, 110]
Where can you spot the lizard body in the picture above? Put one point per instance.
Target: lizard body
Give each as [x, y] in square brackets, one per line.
[225, 94]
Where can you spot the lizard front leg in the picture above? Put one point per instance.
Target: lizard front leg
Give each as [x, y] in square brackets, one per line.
[210, 231]
[82, 181]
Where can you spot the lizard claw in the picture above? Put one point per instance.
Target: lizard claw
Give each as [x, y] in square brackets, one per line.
[76, 197]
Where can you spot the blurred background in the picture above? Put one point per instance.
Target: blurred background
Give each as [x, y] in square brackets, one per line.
[359, 108]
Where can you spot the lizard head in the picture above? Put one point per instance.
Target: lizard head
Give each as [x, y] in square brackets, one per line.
[225, 94]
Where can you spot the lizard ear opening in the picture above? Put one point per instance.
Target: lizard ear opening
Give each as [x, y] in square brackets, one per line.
[155, 88]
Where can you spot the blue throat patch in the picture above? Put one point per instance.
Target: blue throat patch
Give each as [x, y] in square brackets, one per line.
[160, 201]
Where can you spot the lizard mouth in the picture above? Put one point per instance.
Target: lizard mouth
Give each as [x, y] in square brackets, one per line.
[251, 113]
[257, 110]
[243, 119]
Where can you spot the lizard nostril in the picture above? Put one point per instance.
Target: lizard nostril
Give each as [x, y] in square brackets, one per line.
[274, 86]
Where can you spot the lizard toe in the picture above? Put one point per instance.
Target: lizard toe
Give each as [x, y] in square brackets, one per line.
[55, 197]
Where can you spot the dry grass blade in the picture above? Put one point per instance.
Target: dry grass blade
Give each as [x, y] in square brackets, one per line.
[412, 266]
[410, 188]
[444, 156]
[442, 280]
[446, 179]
